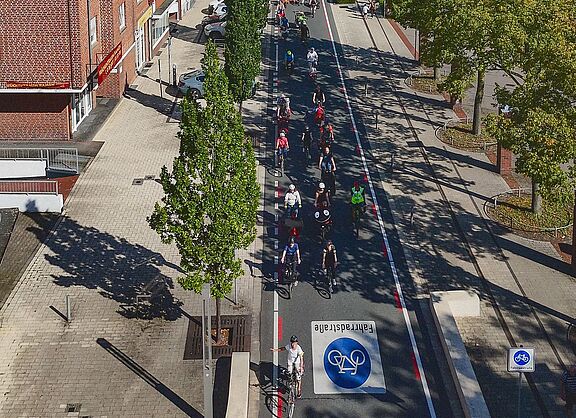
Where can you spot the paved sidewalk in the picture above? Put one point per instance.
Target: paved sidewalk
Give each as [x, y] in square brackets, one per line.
[525, 282]
[102, 253]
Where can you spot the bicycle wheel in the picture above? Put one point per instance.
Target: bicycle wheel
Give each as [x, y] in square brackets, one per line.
[291, 399]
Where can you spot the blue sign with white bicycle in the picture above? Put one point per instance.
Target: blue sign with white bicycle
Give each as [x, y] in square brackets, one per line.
[346, 357]
[521, 360]
[347, 363]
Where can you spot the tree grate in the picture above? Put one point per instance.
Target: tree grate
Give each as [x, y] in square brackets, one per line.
[137, 182]
[240, 327]
[73, 407]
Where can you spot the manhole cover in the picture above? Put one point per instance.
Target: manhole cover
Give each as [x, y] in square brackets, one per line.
[238, 326]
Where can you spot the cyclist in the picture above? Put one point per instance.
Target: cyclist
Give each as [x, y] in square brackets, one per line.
[312, 58]
[357, 196]
[326, 135]
[322, 198]
[300, 19]
[282, 145]
[304, 32]
[327, 165]
[295, 358]
[329, 261]
[289, 60]
[319, 115]
[306, 139]
[284, 25]
[318, 97]
[292, 253]
[313, 6]
[283, 106]
[292, 201]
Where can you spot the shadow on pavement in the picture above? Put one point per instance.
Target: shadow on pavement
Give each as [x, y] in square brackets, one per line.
[114, 267]
[149, 378]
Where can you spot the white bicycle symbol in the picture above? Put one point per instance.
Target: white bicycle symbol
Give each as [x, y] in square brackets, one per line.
[347, 364]
[521, 358]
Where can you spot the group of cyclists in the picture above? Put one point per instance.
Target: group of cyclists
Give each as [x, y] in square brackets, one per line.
[326, 188]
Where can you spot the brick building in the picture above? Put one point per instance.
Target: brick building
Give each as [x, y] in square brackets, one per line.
[57, 56]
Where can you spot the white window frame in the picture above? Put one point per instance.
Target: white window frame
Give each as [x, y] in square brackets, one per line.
[93, 30]
[122, 15]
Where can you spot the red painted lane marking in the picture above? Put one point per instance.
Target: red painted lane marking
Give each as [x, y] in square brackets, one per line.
[365, 177]
[404, 38]
[279, 191]
[384, 250]
[279, 328]
[415, 365]
[357, 150]
[279, 404]
[397, 300]
[374, 209]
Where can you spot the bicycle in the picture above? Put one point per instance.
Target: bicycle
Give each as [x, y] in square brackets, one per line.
[357, 211]
[280, 162]
[292, 391]
[289, 276]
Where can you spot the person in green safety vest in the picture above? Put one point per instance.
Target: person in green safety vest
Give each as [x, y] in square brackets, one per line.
[357, 196]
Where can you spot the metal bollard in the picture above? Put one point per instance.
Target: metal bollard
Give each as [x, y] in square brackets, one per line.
[366, 89]
[376, 120]
[412, 216]
[392, 162]
[68, 309]
[159, 77]
[174, 81]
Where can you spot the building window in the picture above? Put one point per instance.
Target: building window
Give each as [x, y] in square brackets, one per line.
[93, 35]
[160, 25]
[122, 15]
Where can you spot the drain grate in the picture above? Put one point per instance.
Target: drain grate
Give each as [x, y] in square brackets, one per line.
[414, 144]
[73, 407]
[239, 327]
[137, 182]
[149, 177]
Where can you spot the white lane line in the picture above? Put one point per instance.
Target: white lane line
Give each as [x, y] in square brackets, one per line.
[381, 224]
[276, 231]
[275, 244]
[276, 206]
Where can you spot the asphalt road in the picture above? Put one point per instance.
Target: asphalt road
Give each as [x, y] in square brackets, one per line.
[368, 289]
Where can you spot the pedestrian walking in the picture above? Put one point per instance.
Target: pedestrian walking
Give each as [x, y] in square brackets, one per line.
[568, 389]
[365, 10]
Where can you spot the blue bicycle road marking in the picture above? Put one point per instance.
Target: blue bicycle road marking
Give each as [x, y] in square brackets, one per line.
[347, 363]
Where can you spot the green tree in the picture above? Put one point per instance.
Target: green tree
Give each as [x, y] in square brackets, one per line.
[243, 52]
[211, 194]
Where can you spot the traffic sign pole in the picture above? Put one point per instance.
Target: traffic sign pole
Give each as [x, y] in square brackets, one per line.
[519, 392]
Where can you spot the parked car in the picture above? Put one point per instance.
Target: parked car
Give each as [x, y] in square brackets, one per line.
[192, 83]
[214, 19]
[213, 5]
[215, 30]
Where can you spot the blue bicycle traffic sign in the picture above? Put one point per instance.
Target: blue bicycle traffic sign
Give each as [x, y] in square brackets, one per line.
[521, 360]
[347, 363]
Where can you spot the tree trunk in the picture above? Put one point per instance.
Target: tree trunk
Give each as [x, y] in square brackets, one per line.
[574, 235]
[436, 73]
[536, 199]
[218, 321]
[477, 120]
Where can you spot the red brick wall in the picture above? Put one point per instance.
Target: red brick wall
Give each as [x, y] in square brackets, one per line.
[34, 41]
[34, 117]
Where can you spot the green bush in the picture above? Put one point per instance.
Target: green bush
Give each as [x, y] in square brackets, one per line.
[344, 1]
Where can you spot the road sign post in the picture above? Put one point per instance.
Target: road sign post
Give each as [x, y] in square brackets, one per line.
[521, 360]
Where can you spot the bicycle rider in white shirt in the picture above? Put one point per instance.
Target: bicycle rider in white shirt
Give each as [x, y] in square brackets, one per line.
[296, 358]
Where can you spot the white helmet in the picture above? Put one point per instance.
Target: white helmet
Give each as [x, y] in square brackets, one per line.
[291, 187]
[282, 134]
[322, 186]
